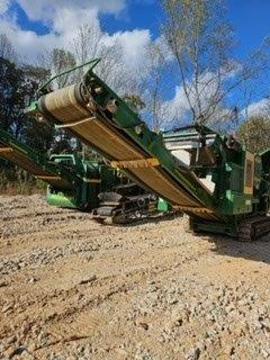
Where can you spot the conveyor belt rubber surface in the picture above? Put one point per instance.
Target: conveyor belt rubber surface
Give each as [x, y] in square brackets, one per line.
[89, 122]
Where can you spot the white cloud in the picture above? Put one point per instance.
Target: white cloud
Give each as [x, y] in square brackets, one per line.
[48, 9]
[134, 44]
[260, 107]
[65, 17]
[27, 44]
[4, 5]
[178, 108]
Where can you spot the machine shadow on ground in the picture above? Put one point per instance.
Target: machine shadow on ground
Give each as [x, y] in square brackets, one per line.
[151, 220]
[257, 251]
[224, 245]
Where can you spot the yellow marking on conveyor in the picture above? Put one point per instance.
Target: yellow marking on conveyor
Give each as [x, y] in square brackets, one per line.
[48, 177]
[133, 164]
[194, 209]
[92, 181]
[6, 150]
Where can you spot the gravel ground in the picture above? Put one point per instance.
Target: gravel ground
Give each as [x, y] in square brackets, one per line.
[73, 289]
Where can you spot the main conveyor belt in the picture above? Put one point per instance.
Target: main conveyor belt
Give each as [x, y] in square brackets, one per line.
[29, 160]
[95, 114]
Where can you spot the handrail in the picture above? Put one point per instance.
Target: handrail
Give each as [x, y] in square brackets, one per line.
[94, 63]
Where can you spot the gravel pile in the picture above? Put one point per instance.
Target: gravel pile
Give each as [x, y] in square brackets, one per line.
[73, 289]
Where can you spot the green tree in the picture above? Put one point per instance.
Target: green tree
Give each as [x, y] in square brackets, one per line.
[16, 88]
[38, 135]
[255, 133]
[13, 92]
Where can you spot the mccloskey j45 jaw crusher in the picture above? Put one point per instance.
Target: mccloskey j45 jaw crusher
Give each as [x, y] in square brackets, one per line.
[212, 178]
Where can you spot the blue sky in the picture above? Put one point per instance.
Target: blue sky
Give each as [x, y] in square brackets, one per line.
[250, 19]
[35, 25]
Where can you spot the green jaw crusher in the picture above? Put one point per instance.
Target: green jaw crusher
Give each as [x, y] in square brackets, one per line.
[87, 183]
[212, 178]
[237, 180]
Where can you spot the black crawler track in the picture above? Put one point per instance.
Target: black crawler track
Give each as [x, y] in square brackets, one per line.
[125, 204]
[254, 228]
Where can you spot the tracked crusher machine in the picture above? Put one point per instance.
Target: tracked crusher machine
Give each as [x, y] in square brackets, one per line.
[212, 178]
[81, 184]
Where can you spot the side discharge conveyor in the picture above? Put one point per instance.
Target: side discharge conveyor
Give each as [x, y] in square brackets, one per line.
[72, 182]
[210, 177]
[82, 184]
[36, 164]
